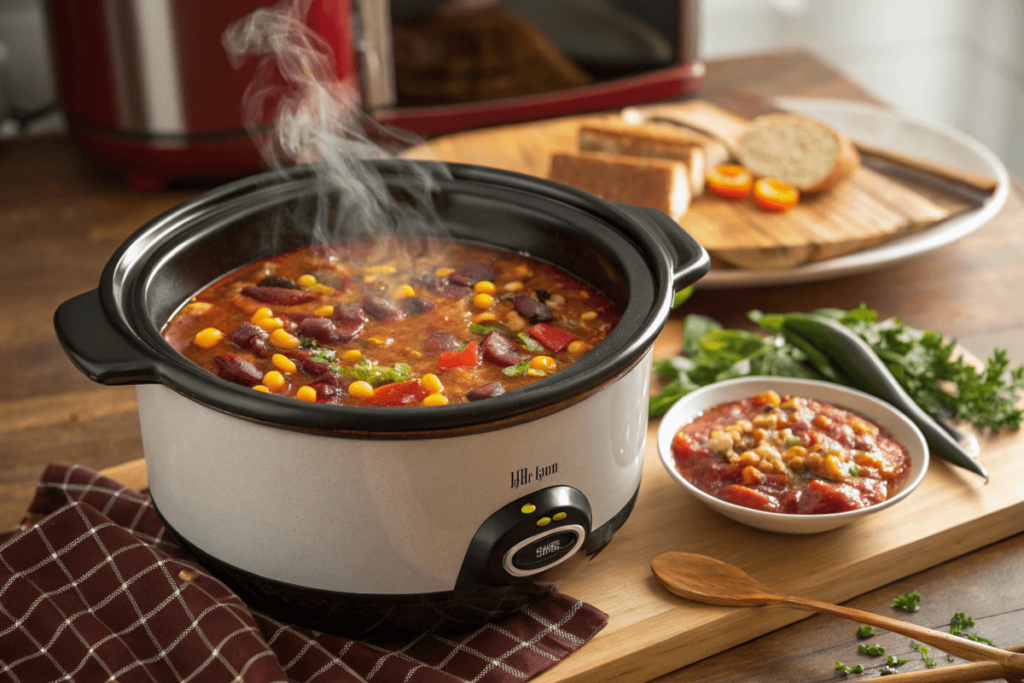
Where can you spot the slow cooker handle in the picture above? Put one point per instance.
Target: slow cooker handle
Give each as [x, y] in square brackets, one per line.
[691, 260]
[95, 347]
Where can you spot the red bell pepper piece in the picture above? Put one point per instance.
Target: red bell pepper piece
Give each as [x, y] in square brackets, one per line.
[551, 337]
[467, 357]
[397, 394]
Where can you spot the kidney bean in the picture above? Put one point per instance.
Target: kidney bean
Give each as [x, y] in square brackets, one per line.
[468, 276]
[440, 342]
[486, 391]
[329, 392]
[416, 305]
[531, 309]
[325, 331]
[446, 290]
[349, 313]
[315, 368]
[277, 295]
[281, 282]
[501, 350]
[244, 334]
[236, 369]
[381, 309]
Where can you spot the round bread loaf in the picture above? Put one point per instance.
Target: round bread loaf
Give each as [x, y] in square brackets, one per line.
[799, 150]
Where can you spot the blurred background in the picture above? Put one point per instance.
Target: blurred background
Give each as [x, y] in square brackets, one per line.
[957, 62]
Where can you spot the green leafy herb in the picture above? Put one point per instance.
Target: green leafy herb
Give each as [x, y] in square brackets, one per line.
[865, 631]
[920, 360]
[307, 342]
[923, 649]
[873, 650]
[368, 371]
[681, 296]
[483, 330]
[529, 342]
[842, 668]
[908, 603]
[887, 671]
[517, 370]
[893, 661]
[960, 622]
[323, 355]
[949, 658]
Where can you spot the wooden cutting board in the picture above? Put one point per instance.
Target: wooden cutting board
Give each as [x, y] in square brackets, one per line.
[650, 632]
[865, 210]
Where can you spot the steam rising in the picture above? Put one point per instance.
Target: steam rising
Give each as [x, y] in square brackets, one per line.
[316, 119]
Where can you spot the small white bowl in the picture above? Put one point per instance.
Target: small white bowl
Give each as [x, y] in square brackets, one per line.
[875, 410]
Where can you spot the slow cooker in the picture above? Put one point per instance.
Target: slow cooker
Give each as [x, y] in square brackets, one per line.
[368, 520]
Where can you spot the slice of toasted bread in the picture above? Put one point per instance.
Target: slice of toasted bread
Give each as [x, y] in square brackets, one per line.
[800, 150]
[657, 183]
[655, 142]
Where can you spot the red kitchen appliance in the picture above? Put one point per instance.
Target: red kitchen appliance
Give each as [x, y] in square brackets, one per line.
[148, 88]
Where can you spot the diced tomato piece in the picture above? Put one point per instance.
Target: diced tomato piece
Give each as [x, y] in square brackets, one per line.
[551, 337]
[748, 498]
[467, 357]
[397, 394]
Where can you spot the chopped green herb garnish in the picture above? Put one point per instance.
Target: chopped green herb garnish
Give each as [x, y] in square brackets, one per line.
[919, 360]
[887, 671]
[908, 603]
[483, 330]
[865, 631]
[893, 661]
[517, 370]
[854, 471]
[961, 621]
[873, 650]
[307, 342]
[923, 649]
[529, 342]
[842, 668]
[368, 371]
[323, 355]
[949, 658]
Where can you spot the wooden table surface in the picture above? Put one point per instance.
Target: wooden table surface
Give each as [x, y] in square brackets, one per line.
[61, 218]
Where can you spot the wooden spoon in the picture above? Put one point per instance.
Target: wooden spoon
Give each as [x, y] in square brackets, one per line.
[705, 579]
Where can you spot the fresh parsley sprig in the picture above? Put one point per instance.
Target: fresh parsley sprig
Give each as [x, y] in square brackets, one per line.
[908, 603]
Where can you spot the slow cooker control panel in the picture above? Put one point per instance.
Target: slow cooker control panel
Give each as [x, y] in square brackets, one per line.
[528, 536]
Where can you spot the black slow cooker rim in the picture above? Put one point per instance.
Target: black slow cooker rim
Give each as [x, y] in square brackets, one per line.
[122, 305]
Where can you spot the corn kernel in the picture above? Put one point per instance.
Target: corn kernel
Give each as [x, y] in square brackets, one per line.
[283, 340]
[404, 292]
[795, 452]
[484, 287]
[377, 341]
[351, 355]
[578, 347]
[270, 324]
[307, 394]
[750, 458]
[306, 281]
[796, 463]
[751, 476]
[546, 363]
[523, 270]
[759, 434]
[834, 468]
[534, 372]
[822, 421]
[431, 384]
[589, 315]
[485, 317]
[514, 286]
[483, 300]
[386, 269]
[208, 338]
[262, 389]
[768, 398]
[443, 272]
[283, 363]
[261, 313]
[360, 389]
[325, 311]
[274, 380]
[435, 400]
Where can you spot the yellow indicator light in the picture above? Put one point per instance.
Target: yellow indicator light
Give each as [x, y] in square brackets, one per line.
[543, 521]
[559, 516]
[528, 508]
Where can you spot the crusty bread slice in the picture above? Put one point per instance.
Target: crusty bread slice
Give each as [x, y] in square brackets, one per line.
[654, 142]
[800, 150]
[657, 183]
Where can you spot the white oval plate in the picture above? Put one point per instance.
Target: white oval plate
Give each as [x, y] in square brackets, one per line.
[893, 130]
[874, 410]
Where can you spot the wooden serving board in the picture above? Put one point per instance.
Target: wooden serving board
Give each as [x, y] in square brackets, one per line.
[651, 632]
[864, 210]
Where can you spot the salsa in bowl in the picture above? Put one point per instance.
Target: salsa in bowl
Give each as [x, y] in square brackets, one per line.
[791, 455]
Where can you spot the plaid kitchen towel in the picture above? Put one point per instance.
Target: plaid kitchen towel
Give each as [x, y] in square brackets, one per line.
[92, 589]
